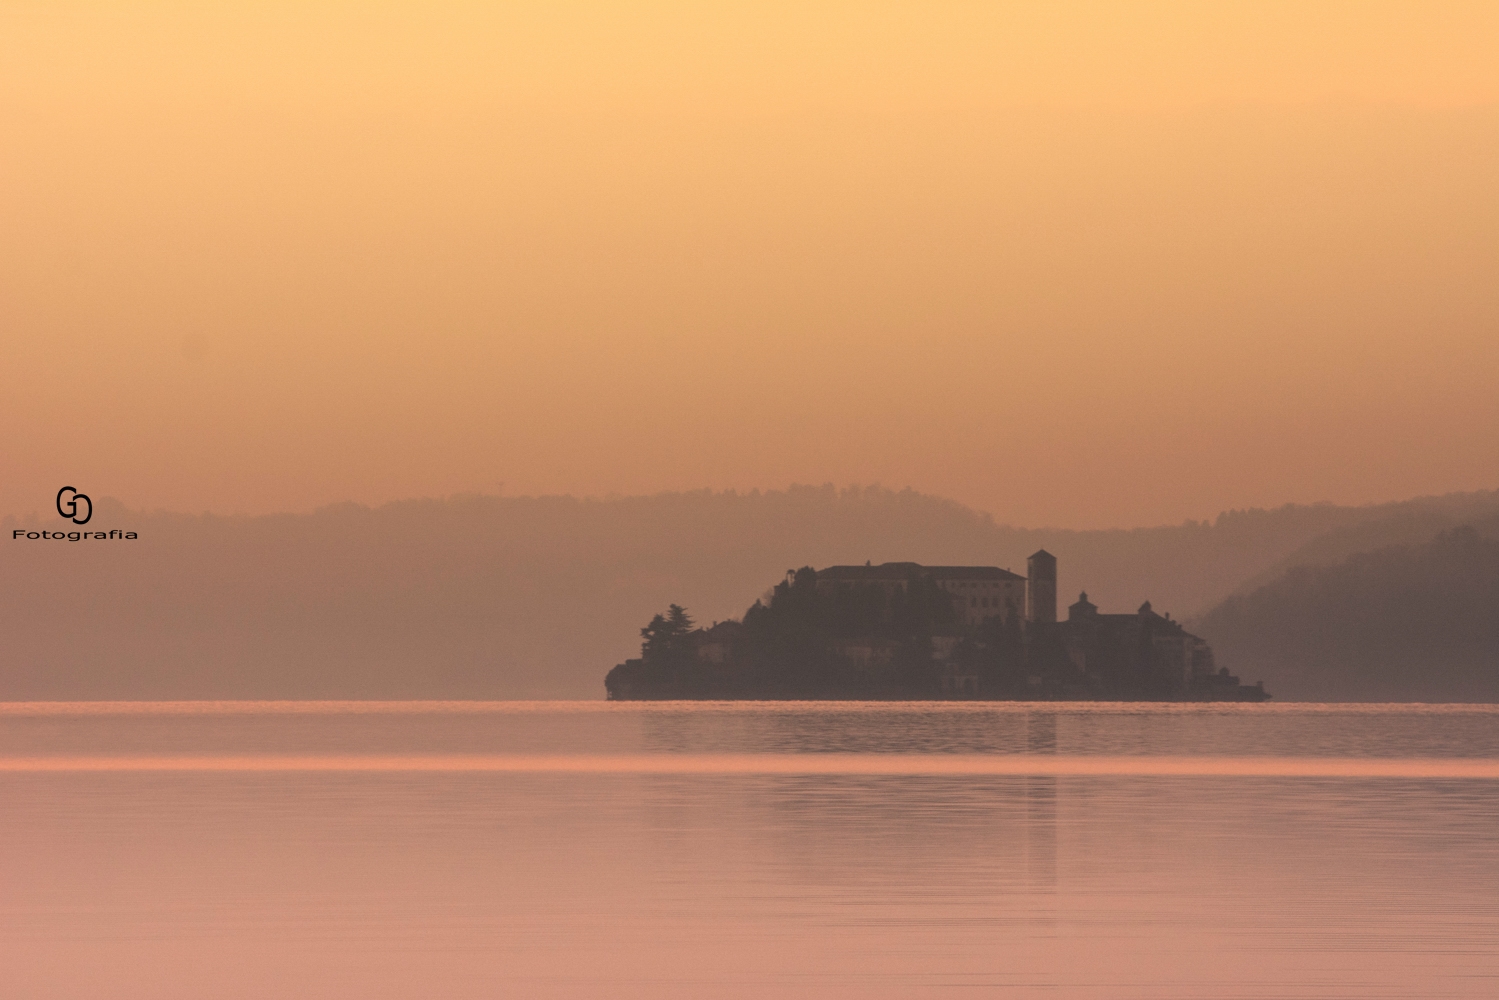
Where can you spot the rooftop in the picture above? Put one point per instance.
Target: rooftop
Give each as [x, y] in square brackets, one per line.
[911, 571]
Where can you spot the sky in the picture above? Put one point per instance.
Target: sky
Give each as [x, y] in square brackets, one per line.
[1083, 265]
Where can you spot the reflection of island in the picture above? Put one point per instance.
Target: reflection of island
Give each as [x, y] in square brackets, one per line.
[902, 630]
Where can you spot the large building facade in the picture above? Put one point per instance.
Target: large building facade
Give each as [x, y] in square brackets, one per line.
[979, 592]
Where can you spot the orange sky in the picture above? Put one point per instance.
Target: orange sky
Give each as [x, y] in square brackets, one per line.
[1083, 265]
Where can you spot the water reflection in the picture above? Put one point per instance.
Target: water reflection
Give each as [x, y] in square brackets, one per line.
[1041, 732]
[1421, 731]
[1041, 834]
[747, 882]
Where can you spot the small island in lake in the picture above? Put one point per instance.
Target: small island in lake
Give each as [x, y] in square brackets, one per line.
[907, 631]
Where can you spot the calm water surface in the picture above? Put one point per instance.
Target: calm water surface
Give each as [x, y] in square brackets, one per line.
[710, 850]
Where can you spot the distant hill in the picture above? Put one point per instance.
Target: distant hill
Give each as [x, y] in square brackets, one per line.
[1408, 523]
[1401, 623]
[530, 597]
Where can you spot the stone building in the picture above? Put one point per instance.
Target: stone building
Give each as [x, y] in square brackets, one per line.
[1144, 651]
[979, 592]
[1041, 588]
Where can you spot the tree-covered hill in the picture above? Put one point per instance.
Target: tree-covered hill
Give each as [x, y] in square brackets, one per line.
[1401, 623]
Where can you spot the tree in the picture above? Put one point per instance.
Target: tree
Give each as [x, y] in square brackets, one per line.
[663, 636]
[679, 620]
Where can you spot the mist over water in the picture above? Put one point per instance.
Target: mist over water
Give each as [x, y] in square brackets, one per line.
[444, 849]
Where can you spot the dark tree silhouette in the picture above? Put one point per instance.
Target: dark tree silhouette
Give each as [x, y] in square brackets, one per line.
[665, 633]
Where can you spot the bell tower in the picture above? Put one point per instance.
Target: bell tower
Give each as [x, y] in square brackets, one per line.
[1041, 588]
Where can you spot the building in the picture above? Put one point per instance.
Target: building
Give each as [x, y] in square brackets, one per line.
[713, 645]
[867, 653]
[1143, 649]
[1041, 592]
[1144, 653]
[979, 592]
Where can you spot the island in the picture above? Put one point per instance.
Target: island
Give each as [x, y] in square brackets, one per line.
[902, 630]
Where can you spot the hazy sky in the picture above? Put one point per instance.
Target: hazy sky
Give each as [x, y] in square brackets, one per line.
[1087, 265]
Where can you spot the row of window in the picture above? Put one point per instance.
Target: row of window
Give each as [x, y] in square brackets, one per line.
[983, 602]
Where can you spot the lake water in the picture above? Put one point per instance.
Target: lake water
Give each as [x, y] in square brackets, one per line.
[377, 850]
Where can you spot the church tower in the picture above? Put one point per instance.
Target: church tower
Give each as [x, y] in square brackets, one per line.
[1041, 588]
